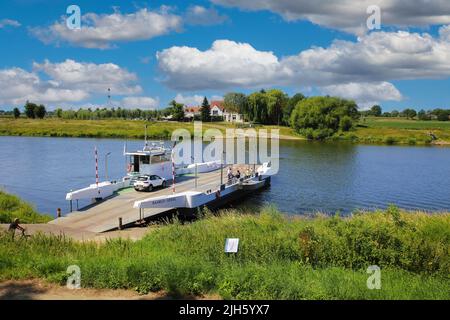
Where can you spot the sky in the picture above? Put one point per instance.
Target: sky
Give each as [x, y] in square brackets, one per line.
[151, 52]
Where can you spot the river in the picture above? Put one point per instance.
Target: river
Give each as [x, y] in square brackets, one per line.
[325, 177]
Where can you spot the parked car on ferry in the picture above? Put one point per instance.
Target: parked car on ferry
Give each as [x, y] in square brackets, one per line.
[149, 182]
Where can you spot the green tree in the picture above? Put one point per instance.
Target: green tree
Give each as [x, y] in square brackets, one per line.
[176, 110]
[292, 102]
[236, 102]
[58, 113]
[29, 110]
[409, 113]
[422, 115]
[442, 115]
[258, 109]
[376, 111]
[276, 103]
[395, 113]
[321, 117]
[40, 111]
[205, 110]
[346, 123]
[16, 113]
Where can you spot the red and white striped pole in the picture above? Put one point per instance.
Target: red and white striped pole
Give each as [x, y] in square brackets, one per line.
[173, 173]
[96, 169]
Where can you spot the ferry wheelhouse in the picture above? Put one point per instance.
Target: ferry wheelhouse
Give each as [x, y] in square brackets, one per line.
[153, 159]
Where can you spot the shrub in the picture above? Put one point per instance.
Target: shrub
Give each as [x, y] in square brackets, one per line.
[346, 123]
[390, 140]
[323, 115]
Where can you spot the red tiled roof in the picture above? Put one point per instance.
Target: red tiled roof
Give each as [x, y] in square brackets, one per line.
[218, 104]
[192, 109]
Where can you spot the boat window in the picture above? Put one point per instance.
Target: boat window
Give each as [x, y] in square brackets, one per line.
[145, 159]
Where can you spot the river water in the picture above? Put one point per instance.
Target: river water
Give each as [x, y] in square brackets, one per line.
[326, 177]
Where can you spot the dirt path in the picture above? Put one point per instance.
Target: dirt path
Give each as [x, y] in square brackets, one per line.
[40, 290]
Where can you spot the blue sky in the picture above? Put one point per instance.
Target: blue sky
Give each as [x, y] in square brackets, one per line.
[168, 49]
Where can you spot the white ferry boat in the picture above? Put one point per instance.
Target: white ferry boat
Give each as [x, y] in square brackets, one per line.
[154, 159]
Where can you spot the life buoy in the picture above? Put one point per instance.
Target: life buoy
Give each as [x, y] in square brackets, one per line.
[130, 167]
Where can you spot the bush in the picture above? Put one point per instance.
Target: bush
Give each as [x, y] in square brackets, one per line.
[390, 140]
[321, 117]
[346, 123]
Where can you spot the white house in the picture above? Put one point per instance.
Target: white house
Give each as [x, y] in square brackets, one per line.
[191, 112]
[218, 110]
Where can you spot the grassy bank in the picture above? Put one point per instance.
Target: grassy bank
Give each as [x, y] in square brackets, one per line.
[279, 257]
[106, 128]
[12, 207]
[369, 131]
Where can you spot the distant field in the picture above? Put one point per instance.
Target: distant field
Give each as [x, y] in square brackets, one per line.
[399, 131]
[401, 123]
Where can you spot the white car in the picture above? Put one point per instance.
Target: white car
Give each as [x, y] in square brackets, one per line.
[149, 182]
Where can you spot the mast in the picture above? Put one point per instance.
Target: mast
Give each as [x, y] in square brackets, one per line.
[146, 142]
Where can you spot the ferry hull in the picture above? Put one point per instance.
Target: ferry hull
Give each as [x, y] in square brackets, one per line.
[223, 201]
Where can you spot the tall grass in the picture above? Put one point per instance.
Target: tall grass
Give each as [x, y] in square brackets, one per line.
[279, 257]
[12, 207]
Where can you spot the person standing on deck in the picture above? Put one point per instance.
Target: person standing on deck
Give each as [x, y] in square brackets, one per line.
[229, 175]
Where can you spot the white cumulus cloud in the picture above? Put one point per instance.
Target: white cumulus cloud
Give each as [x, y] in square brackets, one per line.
[367, 94]
[351, 15]
[19, 85]
[374, 59]
[193, 100]
[198, 15]
[148, 103]
[90, 76]
[65, 82]
[225, 65]
[102, 31]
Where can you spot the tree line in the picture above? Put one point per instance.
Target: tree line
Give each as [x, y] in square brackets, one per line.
[31, 110]
[409, 113]
[314, 117]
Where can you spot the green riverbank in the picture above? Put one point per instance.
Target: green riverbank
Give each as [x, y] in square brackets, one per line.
[12, 207]
[279, 257]
[124, 129]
